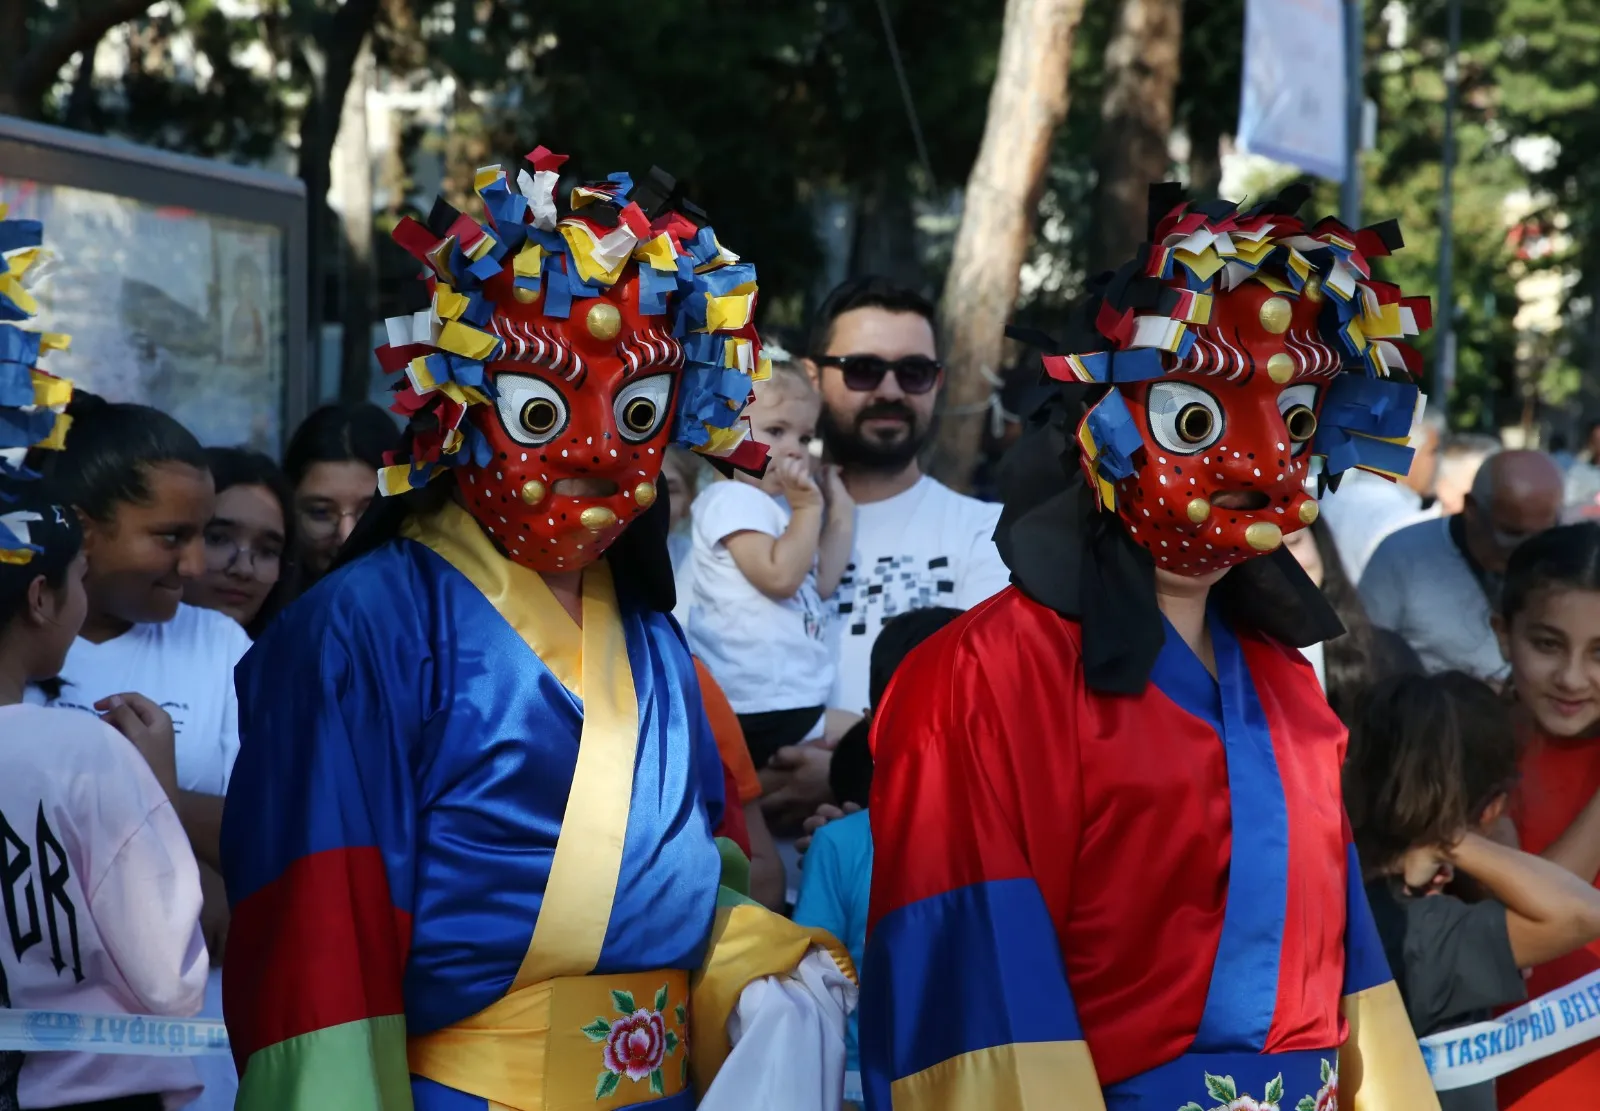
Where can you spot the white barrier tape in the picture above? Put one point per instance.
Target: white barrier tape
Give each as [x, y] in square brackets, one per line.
[1564, 1018]
[125, 1035]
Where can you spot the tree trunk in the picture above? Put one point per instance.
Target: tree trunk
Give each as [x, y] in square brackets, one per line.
[331, 59]
[352, 151]
[1026, 104]
[13, 46]
[1142, 66]
[24, 87]
[1205, 161]
[886, 233]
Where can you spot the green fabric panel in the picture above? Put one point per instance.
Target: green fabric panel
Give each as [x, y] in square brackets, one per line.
[735, 866]
[355, 1066]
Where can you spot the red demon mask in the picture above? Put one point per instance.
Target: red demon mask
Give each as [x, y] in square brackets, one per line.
[1239, 356]
[563, 353]
[1227, 436]
[581, 417]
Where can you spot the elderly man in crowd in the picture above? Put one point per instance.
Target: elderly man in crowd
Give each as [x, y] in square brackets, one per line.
[1437, 582]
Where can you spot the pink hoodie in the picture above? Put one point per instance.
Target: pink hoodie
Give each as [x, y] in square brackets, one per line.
[101, 893]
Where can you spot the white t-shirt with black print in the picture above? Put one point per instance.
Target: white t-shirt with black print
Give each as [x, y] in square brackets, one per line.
[764, 654]
[926, 547]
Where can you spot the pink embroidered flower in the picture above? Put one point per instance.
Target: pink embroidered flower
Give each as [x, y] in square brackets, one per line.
[1328, 1096]
[636, 1044]
[1245, 1103]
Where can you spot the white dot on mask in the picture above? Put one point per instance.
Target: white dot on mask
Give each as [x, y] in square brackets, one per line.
[1163, 479]
[524, 457]
[1256, 471]
[563, 453]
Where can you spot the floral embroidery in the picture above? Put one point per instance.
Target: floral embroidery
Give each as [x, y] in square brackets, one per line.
[635, 1045]
[1226, 1093]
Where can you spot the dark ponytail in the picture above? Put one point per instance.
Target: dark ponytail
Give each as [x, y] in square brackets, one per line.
[1565, 557]
[110, 447]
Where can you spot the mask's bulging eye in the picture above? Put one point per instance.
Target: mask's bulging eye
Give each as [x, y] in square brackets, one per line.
[1298, 404]
[540, 416]
[1194, 423]
[1184, 419]
[641, 409]
[532, 411]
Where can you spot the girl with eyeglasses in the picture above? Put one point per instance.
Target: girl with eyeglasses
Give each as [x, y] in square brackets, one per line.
[249, 541]
[332, 463]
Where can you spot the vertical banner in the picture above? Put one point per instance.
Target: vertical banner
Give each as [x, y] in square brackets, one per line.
[1293, 101]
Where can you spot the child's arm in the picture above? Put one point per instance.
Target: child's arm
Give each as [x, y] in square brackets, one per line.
[1549, 910]
[838, 533]
[778, 566]
[1578, 849]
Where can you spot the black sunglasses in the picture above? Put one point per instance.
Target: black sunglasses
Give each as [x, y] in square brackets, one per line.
[915, 373]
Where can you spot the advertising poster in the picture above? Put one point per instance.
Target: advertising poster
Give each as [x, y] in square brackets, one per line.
[168, 307]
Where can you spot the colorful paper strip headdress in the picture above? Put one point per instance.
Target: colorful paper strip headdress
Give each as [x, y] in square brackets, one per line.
[535, 258]
[1155, 316]
[32, 403]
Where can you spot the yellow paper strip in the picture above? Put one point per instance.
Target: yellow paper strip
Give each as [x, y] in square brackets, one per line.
[459, 339]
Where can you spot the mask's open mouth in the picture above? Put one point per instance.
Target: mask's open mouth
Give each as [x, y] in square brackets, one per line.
[585, 488]
[1239, 499]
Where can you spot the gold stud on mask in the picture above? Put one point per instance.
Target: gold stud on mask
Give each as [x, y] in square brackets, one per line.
[1309, 510]
[604, 321]
[532, 491]
[1263, 537]
[1280, 368]
[645, 494]
[1312, 291]
[597, 518]
[1275, 314]
[1199, 510]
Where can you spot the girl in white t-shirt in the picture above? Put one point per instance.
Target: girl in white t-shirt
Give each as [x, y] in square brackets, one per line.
[766, 552]
[105, 918]
[141, 486]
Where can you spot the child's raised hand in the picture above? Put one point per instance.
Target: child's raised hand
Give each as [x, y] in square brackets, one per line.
[800, 490]
[1425, 866]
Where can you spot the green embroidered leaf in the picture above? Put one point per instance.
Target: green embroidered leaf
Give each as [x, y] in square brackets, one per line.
[1327, 1071]
[1274, 1092]
[1222, 1087]
[597, 1030]
[683, 1018]
[1307, 1103]
[657, 1085]
[623, 1002]
[1191, 1106]
[606, 1084]
[672, 1043]
[661, 998]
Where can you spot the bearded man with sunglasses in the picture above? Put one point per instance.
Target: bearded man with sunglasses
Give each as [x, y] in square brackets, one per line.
[917, 542]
